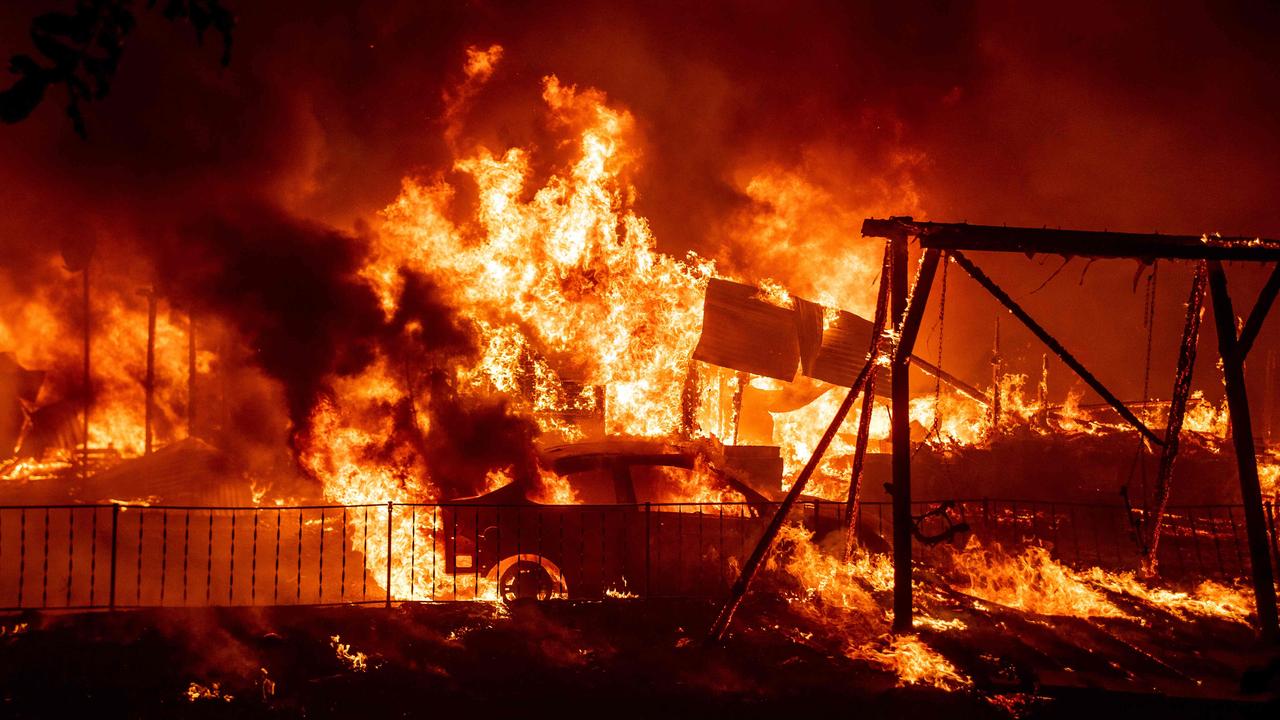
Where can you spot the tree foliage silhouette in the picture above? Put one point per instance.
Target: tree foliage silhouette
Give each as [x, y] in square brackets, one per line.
[81, 50]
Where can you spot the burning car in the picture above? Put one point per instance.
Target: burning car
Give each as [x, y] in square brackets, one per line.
[650, 518]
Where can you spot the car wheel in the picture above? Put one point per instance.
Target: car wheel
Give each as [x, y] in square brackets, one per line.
[525, 580]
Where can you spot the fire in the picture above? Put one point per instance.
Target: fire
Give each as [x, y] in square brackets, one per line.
[914, 662]
[356, 661]
[212, 691]
[44, 330]
[1032, 580]
[841, 597]
[566, 284]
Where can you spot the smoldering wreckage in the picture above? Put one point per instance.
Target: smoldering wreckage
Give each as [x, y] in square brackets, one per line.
[781, 496]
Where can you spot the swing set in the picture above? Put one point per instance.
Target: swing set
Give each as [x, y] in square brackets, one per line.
[905, 304]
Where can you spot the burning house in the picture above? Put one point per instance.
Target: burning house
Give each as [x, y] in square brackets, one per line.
[584, 369]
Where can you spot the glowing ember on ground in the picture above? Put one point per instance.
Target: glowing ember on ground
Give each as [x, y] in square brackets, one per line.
[354, 660]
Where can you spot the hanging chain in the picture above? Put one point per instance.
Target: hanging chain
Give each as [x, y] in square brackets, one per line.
[942, 324]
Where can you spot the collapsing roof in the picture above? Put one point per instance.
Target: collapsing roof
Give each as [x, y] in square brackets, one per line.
[743, 332]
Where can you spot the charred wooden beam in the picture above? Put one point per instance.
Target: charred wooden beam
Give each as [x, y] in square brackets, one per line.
[900, 391]
[965, 388]
[913, 312]
[852, 508]
[1052, 343]
[149, 381]
[1082, 243]
[191, 374]
[1177, 411]
[88, 385]
[762, 548]
[1261, 307]
[1246, 461]
[740, 386]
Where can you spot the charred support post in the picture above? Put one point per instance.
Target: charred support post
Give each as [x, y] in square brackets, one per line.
[88, 390]
[1230, 349]
[115, 535]
[191, 374]
[910, 328]
[689, 401]
[1177, 411]
[900, 396]
[390, 509]
[740, 385]
[1261, 308]
[762, 548]
[997, 376]
[149, 383]
[1053, 344]
[852, 508]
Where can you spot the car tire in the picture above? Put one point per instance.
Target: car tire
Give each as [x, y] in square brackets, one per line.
[525, 581]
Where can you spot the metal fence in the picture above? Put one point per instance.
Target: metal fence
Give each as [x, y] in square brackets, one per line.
[120, 556]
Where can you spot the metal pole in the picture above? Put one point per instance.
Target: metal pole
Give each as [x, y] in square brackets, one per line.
[1177, 411]
[1246, 461]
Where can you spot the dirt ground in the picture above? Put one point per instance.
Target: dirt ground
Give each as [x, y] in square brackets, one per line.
[620, 658]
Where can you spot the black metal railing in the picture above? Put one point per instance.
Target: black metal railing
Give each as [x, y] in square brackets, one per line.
[122, 555]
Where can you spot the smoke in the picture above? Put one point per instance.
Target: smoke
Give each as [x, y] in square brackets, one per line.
[767, 133]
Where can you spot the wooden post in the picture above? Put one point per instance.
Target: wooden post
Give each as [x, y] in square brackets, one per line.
[762, 548]
[1246, 461]
[908, 317]
[900, 429]
[996, 373]
[740, 385]
[88, 389]
[149, 383]
[853, 508]
[1269, 391]
[191, 374]
[1177, 411]
[910, 328]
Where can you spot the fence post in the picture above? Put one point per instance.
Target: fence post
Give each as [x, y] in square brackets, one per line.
[115, 528]
[390, 505]
[648, 547]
